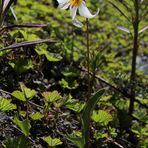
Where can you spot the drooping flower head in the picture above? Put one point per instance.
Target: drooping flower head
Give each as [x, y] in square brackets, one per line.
[75, 5]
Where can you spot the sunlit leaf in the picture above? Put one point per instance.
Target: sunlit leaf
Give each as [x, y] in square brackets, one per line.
[52, 141]
[6, 105]
[42, 50]
[19, 95]
[36, 116]
[29, 93]
[51, 96]
[69, 85]
[75, 105]
[102, 117]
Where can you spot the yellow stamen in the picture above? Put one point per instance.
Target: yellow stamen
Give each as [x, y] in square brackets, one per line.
[75, 3]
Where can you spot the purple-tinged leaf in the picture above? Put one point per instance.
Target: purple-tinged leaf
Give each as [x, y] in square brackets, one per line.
[123, 29]
[5, 4]
[13, 13]
[31, 25]
[5, 7]
[27, 43]
[144, 29]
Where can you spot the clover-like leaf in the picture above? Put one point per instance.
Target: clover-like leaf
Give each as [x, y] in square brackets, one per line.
[52, 57]
[52, 141]
[69, 85]
[75, 105]
[6, 105]
[19, 95]
[51, 96]
[29, 93]
[102, 117]
[36, 116]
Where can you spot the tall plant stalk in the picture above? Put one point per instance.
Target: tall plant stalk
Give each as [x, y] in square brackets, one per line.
[87, 138]
[134, 55]
[88, 58]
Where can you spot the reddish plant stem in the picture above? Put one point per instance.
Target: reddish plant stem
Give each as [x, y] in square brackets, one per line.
[88, 59]
[134, 55]
[87, 138]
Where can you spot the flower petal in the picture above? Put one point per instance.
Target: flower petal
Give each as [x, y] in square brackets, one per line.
[63, 1]
[64, 5]
[83, 11]
[77, 23]
[73, 11]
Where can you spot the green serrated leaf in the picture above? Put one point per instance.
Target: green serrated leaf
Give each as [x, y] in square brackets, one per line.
[52, 141]
[6, 105]
[23, 125]
[52, 57]
[29, 94]
[75, 105]
[69, 85]
[102, 117]
[19, 95]
[36, 116]
[51, 96]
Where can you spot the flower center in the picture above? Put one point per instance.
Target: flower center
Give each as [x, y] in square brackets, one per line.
[75, 3]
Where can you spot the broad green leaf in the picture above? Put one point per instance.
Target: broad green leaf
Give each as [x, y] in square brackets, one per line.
[102, 117]
[23, 125]
[52, 141]
[86, 116]
[6, 105]
[75, 105]
[42, 50]
[36, 116]
[78, 141]
[29, 94]
[53, 57]
[51, 96]
[69, 85]
[19, 95]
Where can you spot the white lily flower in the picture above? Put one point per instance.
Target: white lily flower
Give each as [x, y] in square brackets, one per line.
[76, 5]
